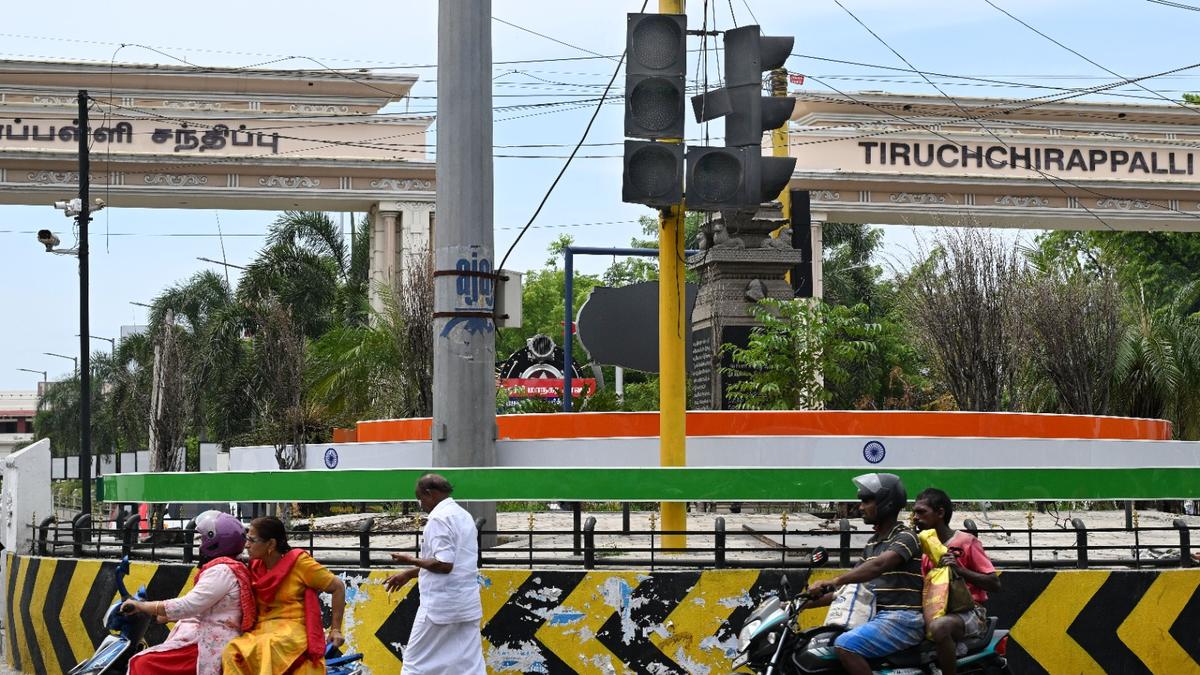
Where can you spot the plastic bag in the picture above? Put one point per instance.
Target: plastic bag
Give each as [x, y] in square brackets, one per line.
[852, 606]
[945, 591]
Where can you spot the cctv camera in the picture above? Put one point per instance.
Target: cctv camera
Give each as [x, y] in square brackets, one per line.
[71, 207]
[47, 239]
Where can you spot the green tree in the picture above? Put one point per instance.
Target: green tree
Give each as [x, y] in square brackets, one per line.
[542, 304]
[126, 383]
[631, 270]
[1152, 265]
[211, 323]
[57, 415]
[1158, 363]
[310, 267]
[798, 344]
[384, 369]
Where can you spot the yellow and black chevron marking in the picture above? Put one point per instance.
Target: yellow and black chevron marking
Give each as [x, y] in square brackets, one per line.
[554, 622]
[54, 607]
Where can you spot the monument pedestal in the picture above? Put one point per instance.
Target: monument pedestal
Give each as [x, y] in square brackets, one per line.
[740, 264]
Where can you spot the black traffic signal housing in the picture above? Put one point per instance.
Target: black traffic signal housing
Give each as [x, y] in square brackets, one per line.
[748, 114]
[656, 47]
[653, 173]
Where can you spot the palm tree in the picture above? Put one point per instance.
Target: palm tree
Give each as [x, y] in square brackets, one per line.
[57, 416]
[309, 266]
[209, 322]
[127, 392]
[1158, 362]
[384, 369]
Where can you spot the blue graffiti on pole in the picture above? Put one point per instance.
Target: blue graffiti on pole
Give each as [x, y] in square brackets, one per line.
[474, 292]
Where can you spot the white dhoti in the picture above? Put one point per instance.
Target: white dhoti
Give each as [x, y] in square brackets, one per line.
[443, 649]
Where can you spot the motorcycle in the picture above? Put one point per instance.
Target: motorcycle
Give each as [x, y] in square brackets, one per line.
[768, 644]
[127, 637]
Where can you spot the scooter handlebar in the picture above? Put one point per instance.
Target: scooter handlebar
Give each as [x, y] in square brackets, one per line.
[121, 572]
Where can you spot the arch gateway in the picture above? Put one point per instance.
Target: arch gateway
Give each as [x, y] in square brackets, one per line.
[225, 138]
[922, 160]
[899, 159]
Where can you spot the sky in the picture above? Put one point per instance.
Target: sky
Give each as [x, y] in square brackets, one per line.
[136, 253]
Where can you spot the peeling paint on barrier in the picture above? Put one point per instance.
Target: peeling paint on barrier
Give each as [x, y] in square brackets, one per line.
[620, 623]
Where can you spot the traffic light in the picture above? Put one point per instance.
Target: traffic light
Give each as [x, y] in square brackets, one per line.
[656, 45]
[738, 176]
[653, 173]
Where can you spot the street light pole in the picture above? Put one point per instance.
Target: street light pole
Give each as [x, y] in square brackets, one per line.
[45, 385]
[72, 359]
[112, 352]
[42, 372]
[111, 341]
[85, 375]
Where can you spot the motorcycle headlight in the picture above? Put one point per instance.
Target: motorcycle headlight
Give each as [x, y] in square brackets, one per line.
[747, 634]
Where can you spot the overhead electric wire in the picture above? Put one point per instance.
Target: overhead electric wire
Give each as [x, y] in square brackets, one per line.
[189, 235]
[552, 39]
[582, 138]
[956, 104]
[1050, 178]
[997, 109]
[1178, 5]
[1085, 58]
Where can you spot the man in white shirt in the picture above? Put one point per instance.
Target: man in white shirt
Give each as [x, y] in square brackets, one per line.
[445, 638]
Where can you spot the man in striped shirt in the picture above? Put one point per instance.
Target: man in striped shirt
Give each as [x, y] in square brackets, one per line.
[891, 566]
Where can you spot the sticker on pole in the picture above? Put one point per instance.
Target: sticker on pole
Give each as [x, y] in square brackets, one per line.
[474, 293]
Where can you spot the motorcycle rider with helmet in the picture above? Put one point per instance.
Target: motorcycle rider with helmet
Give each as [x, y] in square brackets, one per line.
[219, 607]
[891, 565]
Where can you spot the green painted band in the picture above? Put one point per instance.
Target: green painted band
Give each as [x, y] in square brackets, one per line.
[647, 484]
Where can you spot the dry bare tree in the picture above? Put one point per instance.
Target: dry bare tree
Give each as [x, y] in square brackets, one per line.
[169, 401]
[408, 318]
[965, 306]
[279, 358]
[1075, 327]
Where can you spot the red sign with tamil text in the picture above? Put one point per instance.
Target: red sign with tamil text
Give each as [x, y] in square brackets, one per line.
[548, 387]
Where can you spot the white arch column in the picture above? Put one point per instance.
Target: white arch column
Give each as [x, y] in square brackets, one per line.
[385, 239]
[416, 219]
[818, 252]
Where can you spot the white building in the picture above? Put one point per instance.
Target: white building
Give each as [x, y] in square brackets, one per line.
[17, 409]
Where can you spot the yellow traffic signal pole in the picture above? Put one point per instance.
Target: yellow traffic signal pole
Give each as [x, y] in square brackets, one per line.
[779, 137]
[672, 331]
[779, 148]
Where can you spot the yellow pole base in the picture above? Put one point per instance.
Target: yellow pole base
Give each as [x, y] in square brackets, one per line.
[674, 517]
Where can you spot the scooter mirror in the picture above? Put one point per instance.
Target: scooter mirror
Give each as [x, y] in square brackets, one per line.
[819, 557]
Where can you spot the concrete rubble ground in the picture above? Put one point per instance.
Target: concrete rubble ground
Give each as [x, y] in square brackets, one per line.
[551, 534]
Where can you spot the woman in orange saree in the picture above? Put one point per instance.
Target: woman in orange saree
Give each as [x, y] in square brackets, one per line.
[288, 637]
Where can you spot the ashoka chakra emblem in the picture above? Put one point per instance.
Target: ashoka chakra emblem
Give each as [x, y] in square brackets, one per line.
[874, 452]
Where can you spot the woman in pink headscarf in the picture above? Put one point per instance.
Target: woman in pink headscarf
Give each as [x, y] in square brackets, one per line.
[219, 607]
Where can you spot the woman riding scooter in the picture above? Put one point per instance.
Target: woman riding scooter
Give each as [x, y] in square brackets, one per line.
[219, 607]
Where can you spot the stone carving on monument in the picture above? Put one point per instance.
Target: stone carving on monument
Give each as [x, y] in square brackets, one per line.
[739, 264]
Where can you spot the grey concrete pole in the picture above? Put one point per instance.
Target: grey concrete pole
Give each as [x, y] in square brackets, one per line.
[464, 333]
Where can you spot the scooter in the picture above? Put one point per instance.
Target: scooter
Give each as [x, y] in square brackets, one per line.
[767, 644]
[127, 637]
[127, 633]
